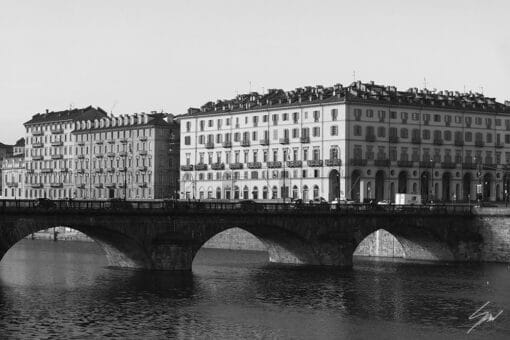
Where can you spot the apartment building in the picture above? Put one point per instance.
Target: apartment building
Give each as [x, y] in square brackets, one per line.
[362, 141]
[128, 156]
[13, 177]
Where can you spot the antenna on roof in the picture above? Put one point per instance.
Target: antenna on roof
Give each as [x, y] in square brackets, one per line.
[70, 106]
[424, 82]
[354, 75]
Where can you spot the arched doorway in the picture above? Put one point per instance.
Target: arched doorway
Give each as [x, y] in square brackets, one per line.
[487, 183]
[379, 185]
[355, 185]
[294, 192]
[255, 193]
[425, 185]
[446, 194]
[305, 193]
[315, 191]
[466, 186]
[334, 185]
[402, 182]
[236, 192]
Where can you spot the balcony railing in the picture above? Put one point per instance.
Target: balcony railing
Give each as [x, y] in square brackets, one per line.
[110, 169]
[143, 138]
[459, 142]
[236, 166]
[110, 185]
[57, 156]
[315, 162]
[99, 141]
[37, 133]
[80, 171]
[469, 165]
[382, 162]
[227, 144]
[370, 138]
[12, 184]
[405, 164]
[245, 142]
[123, 154]
[80, 143]
[426, 164]
[37, 158]
[46, 170]
[274, 165]
[99, 155]
[143, 152]
[37, 145]
[448, 165]
[57, 131]
[56, 185]
[98, 170]
[201, 167]
[284, 141]
[81, 186]
[254, 165]
[490, 166]
[358, 162]
[123, 140]
[499, 145]
[63, 169]
[333, 162]
[438, 141]
[264, 141]
[188, 167]
[36, 185]
[80, 156]
[142, 185]
[394, 139]
[218, 166]
[98, 185]
[110, 154]
[110, 141]
[294, 164]
[209, 145]
[57, 143]
[305, 140]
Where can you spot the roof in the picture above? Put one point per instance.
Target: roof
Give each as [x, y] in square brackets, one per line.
[357, 92]
[88, 113]
[20, 142]
[153, 120]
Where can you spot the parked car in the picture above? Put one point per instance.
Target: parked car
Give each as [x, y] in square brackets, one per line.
[384, 202]
[45, 203]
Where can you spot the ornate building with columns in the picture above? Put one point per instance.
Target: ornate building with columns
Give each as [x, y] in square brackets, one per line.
[362, 141]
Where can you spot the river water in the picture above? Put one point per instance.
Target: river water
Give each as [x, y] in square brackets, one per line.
[65, 290]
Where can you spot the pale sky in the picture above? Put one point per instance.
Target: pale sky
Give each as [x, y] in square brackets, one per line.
[132, 56]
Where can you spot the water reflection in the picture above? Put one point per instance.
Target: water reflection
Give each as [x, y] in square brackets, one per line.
[66, 291]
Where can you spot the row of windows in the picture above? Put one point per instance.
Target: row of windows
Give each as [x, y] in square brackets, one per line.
[256, 120]
[254, 175]
[275, 192]
[426, 134]
[427, 117]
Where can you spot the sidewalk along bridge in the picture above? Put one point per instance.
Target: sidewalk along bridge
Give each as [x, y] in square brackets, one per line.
[166, 235]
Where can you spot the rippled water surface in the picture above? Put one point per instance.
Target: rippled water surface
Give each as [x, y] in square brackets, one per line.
[64, 290]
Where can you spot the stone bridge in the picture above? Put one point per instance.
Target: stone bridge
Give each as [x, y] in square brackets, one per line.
[167, 235]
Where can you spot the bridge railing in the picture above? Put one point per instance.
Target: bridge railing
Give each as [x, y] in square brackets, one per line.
[238, 206]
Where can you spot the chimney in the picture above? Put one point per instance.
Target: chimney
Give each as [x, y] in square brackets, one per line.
[47, 111]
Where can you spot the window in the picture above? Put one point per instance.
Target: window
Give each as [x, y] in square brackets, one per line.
[403, 115]
[478, 120]
[285, 117]
[264, 119]
[275, 119]
[334, 130]
[316, 131]
[210, 123]
[437, 118]
[255, 121]
[469, 136]
[187, 140]
[381, 131]
[489, 138]
[447, 135]
[370, 113]
[202, 125]
[295, 133]
[188, 126]
[497, 122]
[369, 131]
[357, 130]
[295, 116]
[426, 134]
[416, 116]
[334, 114]
[316, 116]
[404, 133]
[393, 114]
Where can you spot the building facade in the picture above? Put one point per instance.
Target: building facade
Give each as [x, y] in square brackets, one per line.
[363, 141]
[13, 177]
[49, 152]
[128, 156]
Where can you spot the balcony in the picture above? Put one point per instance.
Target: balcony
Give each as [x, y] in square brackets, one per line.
[358, 162]
[479, 143]
[99, 142]
[370, 138]
[405, 164]
[218, 166]
[37, 133]
[245, 143]
[274, 165]
[188, 167]
[264, 141]
[284, 141]
[209, 145]
[98, 170]
[37, 158]
[416, 140]
[80, 143]
[63, 169]
[110, 169]
[123, 154]
[236, 166]
[438, 141]
[57, 143]
[47, 170]
[80, 171]
[334, 162]
[315, 162]
[124, 169]
[143, 152]
[37, 145]
[57, 131]
[227, 144]
[143, 138]
[80, 186]
[123, 140]
[394, 139]
[142, 185]
[80, 156]
[98, 185]
[110, 141]
[458, 142]
[201, 167]
[254, 165]
[294, 164]
[469, 165]
[99, 155]
[499, 145]
[427, 164]
[56, 185]
[110, 185]
[57, 156]
[448, 165]
[36, 185]
[12, 184]
[490, 166]
[382, 162]
[305, 140]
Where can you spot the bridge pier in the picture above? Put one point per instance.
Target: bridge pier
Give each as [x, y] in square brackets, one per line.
[177, 257]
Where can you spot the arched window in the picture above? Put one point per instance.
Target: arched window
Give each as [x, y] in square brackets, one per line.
[255, 193]
[218, 193]
[315, 191]
[274, 192]
[333, 153]
[294, 192]
[236, 192]
[264, 193]
[245, 192]
[305, 193]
